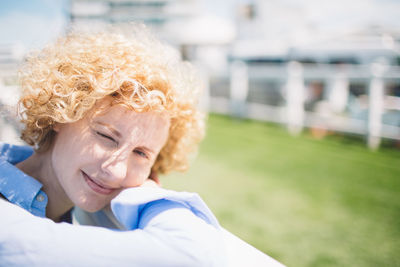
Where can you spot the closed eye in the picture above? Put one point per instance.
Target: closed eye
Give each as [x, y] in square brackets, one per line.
[106, 137]
[140, 153]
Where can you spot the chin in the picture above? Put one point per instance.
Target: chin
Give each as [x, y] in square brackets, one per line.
[91, 207]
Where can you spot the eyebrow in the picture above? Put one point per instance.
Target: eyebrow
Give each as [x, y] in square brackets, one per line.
[112, 129]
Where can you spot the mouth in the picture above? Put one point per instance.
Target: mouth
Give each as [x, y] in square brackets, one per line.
[96, 186]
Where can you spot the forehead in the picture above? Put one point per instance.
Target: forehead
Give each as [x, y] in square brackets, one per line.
[119, 114]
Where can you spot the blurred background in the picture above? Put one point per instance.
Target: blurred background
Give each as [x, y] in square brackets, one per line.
[302, 154]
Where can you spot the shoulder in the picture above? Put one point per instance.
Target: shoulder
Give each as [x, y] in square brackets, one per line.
[14, 153]
[15, 185]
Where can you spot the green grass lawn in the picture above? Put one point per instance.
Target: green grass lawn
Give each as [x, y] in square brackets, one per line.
[303, 201]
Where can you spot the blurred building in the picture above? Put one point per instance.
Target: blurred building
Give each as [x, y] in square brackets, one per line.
[92, 14]
[177, 21]
[273, 31]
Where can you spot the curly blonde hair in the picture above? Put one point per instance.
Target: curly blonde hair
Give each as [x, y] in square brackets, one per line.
[62, 82]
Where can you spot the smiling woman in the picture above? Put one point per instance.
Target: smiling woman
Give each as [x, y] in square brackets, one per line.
[105, 113]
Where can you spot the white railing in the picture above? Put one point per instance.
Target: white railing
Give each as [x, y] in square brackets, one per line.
[292, 80]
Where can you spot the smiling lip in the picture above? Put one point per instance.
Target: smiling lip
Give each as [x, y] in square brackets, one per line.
[98, 188]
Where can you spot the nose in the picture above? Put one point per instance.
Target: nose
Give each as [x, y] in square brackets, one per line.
[115, 167]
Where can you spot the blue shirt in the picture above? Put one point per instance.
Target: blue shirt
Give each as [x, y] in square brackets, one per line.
[16, 186]
[161, 227]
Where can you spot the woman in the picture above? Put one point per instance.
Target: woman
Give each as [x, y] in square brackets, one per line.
[104, 112]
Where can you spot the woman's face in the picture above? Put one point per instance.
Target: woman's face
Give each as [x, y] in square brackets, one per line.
[95, 158]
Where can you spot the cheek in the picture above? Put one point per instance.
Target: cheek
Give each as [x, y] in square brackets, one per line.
[137, 176]
[61, 153]
[69, 152]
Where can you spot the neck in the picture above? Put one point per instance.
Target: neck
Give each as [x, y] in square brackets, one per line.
[39, 166]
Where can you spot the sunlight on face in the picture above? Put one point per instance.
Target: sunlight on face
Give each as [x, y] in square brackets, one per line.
[98, 156]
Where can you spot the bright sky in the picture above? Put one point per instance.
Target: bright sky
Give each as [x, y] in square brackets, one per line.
[31, 22]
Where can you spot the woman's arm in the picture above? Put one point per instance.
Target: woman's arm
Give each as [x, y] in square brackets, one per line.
[169, 234]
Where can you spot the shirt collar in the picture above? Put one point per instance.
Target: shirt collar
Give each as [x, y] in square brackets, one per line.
[18, 187]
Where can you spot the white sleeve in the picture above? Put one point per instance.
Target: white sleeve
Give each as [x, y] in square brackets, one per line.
[169, 235]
